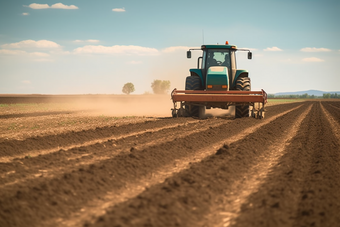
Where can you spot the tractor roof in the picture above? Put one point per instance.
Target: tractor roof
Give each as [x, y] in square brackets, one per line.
[218, 47]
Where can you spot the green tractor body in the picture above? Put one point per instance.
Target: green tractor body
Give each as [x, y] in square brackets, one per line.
[222, 56]
[217, 83]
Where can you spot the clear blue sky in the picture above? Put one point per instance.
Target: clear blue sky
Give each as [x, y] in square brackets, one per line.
[82, 46]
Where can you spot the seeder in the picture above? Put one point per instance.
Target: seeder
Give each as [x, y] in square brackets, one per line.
[217, 99]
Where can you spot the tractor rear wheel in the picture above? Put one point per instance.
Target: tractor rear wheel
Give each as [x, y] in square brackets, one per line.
[194, 83]
[242, 84]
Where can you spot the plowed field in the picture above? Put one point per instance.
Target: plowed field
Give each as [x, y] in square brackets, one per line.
[69, 167]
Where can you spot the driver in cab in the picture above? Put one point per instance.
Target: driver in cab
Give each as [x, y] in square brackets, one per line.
[211, 60]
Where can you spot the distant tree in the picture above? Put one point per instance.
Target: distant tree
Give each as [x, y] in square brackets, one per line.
[160, 86]
[326, 95]
[335, 96]
[304, 96]
[128, 88]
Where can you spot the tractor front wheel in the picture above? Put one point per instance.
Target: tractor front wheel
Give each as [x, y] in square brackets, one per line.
[242, 84]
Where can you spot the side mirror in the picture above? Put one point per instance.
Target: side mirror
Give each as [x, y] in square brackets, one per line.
[250, 55]
[188, 54]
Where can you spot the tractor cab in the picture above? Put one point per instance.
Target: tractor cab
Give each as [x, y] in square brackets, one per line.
[221, 60]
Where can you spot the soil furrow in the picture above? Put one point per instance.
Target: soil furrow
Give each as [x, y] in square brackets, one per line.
[58, 196]
[319, 203]
[185, 198]
[334, 105]
[41, 145]
[31, 168]
[65, 160]
[331, 119]
[236, 197]
[302, 190]
[98, 207]
[46, 166]
[37, 114]
[333, 111]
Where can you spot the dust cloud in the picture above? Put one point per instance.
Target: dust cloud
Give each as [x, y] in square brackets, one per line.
[108, 105]
[216, 112]
[124, 105]
[139, 105]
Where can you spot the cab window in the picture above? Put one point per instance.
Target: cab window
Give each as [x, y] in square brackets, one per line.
[218, 58]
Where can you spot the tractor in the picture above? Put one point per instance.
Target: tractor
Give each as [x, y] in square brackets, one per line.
[217, 83]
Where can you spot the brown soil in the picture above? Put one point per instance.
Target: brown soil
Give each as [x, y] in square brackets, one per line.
[159, 171]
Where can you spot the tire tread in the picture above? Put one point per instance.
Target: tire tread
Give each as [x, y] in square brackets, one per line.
[193, 83]
[242, 84]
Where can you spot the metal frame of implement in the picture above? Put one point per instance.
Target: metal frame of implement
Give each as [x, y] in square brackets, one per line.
[226, 98]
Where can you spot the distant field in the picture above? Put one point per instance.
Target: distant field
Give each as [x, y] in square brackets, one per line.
[278, 100]
[286, 100]
[272, 102]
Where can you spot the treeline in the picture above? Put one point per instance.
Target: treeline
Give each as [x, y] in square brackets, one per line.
[305, 96]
